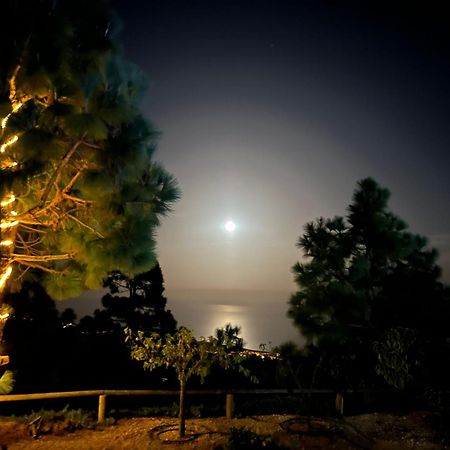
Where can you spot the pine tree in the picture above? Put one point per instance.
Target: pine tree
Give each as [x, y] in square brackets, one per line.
[138, 303]
[80, 194]
[362, 276]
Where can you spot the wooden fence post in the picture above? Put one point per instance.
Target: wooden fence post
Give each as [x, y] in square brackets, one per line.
[340, 403]
[229, 406]
[101, 408]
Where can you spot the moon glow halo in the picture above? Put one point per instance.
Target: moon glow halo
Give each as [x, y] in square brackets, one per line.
[230, 226]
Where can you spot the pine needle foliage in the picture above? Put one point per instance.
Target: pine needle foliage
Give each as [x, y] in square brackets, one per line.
[88, 193]
[362, 277]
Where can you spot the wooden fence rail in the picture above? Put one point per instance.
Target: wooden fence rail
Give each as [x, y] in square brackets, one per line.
[229, 396]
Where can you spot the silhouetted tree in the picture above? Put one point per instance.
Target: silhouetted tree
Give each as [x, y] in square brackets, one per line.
[289, 365]
[138, 302]
[362, 276]
[68, 317]
[99, 344]
[34, 340]
[228, 337]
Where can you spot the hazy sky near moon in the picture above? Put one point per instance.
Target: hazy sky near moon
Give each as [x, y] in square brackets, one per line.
[272, 110]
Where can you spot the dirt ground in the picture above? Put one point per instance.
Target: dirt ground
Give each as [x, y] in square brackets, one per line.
[369, 431]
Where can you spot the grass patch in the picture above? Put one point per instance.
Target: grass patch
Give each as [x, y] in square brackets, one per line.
[50, 421]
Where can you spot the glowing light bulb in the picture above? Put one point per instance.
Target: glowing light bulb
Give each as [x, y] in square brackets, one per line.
[9, 224]
[5, 276]
[16, 108]
[9, 142]
[8, 200]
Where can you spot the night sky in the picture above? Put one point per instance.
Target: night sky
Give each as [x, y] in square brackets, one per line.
[270, 111]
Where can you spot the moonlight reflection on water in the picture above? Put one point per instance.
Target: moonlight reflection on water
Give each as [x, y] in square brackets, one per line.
[260, 314]
[220, 315]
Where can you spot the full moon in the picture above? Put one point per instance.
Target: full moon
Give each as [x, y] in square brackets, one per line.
[230, 226]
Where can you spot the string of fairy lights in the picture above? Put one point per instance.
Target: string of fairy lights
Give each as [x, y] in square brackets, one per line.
[10, 219]
[8, 216]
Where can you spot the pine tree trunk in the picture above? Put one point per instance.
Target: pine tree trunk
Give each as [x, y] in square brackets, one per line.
[181, 417]
[4, 359]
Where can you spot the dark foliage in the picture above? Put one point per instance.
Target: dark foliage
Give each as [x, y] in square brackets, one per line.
[243, 439]
[363, 277]
[138, 302]
[51, 351]
[34, 340]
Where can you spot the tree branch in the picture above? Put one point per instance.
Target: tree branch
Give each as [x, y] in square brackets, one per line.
[87, 144]
[86, 226]
[25, 226]
[56, 174]
[77, 200]
[72, 181]
[30, 265]
[45, 258]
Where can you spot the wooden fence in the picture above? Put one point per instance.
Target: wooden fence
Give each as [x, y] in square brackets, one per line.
[229, 396]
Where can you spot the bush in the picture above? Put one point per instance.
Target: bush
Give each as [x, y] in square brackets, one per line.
[439, 404]
[243, 439]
